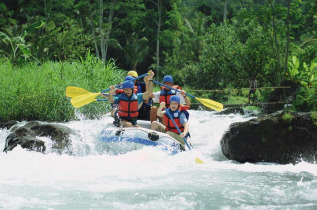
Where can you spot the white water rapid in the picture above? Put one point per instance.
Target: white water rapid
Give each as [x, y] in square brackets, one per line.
[151, 178]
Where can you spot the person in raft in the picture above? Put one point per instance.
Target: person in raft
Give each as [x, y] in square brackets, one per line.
[141, 86]
[144, 110]
[180, 116]
[119, 91]
[129, 102]
[164, 96]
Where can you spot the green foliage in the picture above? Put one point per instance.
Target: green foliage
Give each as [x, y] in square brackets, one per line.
[135, 49]
[287, 117]
[38, 92]
[64, 42]
[294, 68]
[6, 16]
[303, 73]
[306, 99]
[14, 47]
[313, 116]
[200, 45]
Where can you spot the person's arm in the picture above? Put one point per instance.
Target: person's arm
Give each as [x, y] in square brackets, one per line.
[183, 120]
[147, 83]
[159, 111]
[187, 100]
[186, 128]
[111, 92]
[106, 95]
[149, 92]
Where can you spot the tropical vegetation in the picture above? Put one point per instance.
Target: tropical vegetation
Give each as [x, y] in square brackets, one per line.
[48, 45]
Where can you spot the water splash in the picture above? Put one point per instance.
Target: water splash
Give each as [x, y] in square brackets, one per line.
[151, 178]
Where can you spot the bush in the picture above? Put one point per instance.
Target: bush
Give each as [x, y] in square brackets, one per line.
[287, 117]
[35, 92]
[306, 99]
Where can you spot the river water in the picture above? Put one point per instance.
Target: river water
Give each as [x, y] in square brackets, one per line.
[151, 178]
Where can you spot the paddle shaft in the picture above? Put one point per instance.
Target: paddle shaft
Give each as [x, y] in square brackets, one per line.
[156, 82]
[139, 77]
[179, 131]
[206, 102]
[76, 91]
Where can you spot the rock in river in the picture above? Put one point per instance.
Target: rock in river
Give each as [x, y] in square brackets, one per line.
[282, 137]
[28, 135]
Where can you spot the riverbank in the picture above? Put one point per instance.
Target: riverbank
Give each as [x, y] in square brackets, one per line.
[37, 92]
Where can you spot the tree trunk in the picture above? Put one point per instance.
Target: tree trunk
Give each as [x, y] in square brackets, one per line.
[159, 10]
[287, 37]
[225, 11]
[102, 40]
[94, 35]
[276, 42]
[109, 28]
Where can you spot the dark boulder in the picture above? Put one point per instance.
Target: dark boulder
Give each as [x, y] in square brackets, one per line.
[283, 138]
[7, 123]
[27, 137]
[231, 110]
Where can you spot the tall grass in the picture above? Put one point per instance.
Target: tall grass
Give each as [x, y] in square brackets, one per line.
[37, 92]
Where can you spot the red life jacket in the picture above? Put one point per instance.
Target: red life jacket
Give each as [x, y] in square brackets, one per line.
[176, 117]
[166, 94]
[128, 107]
[119, 91]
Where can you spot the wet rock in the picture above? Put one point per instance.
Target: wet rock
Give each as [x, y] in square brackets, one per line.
[231, 110]
[27, 137]
[7, 123]
[283, 137]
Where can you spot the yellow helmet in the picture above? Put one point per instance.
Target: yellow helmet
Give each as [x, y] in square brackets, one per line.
[133, 74]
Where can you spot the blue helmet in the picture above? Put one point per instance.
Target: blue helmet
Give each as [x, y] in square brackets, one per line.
[127, 84]
[128, 78]
[168, 78]
[175, 98]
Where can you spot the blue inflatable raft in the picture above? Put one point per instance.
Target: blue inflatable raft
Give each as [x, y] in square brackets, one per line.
[122, 140]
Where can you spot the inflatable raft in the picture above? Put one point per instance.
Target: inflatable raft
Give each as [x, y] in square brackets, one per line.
[122, 140]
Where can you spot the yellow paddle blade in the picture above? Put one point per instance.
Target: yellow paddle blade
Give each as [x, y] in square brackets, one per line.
[210, 104]
[199, 161]
[75, 91]
[82, 100]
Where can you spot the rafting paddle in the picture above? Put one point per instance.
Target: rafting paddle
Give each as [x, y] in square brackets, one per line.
[87, 98]
[179, 131]
[206, 102]
[75, 91]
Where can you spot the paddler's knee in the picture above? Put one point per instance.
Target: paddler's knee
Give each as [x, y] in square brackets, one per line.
[126, 124]
[153, 115]
[154, 125]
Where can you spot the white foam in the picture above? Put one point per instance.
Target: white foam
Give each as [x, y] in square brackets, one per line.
[93, 170]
